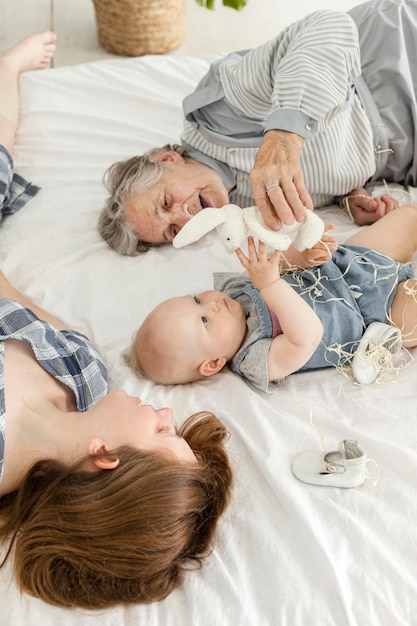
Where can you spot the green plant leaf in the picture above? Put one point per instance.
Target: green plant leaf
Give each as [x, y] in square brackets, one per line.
[233, 4]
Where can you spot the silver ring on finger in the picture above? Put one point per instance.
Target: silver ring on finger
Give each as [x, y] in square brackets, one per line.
[268, 187]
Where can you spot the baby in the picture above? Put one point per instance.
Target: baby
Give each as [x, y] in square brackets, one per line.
[291, 312]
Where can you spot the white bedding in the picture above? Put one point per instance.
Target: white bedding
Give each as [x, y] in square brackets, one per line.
[288, 554]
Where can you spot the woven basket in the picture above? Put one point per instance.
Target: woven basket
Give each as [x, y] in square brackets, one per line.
[137, 27]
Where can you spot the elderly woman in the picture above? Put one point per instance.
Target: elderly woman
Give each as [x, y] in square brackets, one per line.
[304, 120]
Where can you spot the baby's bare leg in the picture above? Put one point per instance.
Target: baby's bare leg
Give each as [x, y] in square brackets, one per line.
[403, 312]
[395, 234]
[32, 53]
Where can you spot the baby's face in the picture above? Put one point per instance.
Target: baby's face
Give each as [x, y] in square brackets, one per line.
[213, 324]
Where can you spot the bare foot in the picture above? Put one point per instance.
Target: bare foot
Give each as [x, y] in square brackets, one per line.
[32, 53]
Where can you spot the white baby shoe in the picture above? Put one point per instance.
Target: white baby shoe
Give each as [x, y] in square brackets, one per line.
[380, 342]
[345, 467]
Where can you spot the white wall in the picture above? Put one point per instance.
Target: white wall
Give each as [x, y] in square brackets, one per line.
[217, 31]
[258, 21]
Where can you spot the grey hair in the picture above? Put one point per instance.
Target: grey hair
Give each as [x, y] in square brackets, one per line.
[122, 180]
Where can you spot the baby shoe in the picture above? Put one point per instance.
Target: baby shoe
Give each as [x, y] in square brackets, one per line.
[345, 467]
[380, 342]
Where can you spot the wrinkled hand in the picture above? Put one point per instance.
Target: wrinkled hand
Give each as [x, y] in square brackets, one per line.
[278, 161]
[263, 269]
[366, 210]
[321, 251]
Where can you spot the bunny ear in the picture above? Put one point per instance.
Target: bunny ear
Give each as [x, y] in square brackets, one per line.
[254, 222]
[200, 224]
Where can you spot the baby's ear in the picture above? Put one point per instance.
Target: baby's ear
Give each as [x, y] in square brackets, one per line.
[208, 368]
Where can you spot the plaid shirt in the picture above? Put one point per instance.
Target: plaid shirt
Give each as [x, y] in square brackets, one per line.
[66, 354]
[15, 191]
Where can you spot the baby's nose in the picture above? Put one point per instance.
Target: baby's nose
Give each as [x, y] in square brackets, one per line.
[215, 305]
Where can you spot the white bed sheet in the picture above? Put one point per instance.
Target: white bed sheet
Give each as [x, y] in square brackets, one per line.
[288, 554]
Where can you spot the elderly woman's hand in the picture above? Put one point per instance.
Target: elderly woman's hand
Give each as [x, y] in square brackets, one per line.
[277, 179]
[364, 209]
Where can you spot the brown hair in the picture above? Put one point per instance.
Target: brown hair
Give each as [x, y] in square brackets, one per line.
[93, 539]
[122, 180]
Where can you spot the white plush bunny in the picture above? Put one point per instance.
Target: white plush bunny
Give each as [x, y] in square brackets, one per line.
[232, 224]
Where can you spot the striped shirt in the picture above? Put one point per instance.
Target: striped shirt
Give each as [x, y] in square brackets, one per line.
[66, 354]
[301, 81]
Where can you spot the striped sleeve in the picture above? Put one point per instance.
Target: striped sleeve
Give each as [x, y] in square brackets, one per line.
[306, 69]
[301, 82]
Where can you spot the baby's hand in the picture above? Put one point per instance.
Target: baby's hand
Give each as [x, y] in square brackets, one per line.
[263, 269]
[321, 251]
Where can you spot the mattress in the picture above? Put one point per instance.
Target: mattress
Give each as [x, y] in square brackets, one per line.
[286, 553]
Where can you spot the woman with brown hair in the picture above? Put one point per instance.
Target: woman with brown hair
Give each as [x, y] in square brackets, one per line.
[102, 500]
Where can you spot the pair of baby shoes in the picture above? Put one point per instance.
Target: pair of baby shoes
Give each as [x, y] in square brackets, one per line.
[345, 467]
